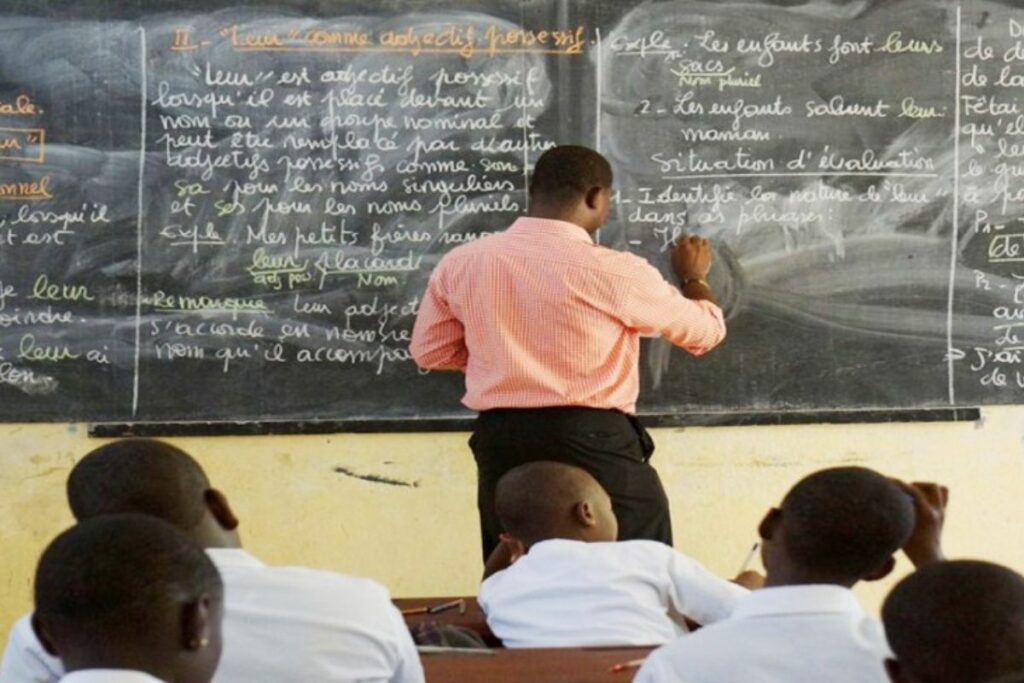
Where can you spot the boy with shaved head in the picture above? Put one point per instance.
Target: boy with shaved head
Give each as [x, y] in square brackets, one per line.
[129, 599]
[957, 622]
[560, 579]
[833, 529]
[282, 623]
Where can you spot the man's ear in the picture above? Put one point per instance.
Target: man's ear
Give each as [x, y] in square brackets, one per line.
[883, 571]
[217, 504]
[583, 512]
[768, 526]
[593, 198]
[43, 637]
[196, 624]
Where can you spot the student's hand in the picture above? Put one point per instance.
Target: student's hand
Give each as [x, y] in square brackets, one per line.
[925, 543]
[504, 555]
[691, 259]
[750, 580]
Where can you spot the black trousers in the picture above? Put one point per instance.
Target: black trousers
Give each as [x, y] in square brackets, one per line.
[612, 446]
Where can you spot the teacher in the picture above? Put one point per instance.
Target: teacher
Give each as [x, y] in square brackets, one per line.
[546, 325]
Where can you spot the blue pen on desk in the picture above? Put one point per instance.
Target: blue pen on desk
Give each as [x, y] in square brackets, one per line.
[750, 557]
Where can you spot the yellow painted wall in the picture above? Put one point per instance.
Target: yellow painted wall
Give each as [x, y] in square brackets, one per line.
[422, 540]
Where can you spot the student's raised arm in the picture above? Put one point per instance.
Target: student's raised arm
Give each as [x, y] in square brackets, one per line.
[925, 543]
[504, 555]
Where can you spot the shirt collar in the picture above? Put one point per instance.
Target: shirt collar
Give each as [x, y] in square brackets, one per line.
[232, 557]
[554, 544]
[789, 600]
[553, 227]
[109, 676]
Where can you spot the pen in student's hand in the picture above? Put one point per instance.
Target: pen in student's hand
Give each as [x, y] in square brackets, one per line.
[750, 557]
[624, 666]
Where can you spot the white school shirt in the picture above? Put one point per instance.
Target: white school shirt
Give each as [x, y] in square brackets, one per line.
[789, 634]
[566, 593]
[280, 624]
[109, 676]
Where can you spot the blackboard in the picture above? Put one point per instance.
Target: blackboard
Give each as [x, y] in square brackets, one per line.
[218, 211]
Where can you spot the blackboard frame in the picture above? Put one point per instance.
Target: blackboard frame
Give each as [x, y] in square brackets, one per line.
[104, 430]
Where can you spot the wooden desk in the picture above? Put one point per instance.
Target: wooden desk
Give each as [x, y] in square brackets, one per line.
[558, 665]
[473, 619]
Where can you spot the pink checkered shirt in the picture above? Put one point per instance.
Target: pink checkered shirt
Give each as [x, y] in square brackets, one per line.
[540, 316]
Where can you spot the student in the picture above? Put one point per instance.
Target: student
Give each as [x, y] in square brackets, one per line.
[281, 623]
[559, 578]
[956, 622]
[546, 326]
[129, 599]
[834, 528]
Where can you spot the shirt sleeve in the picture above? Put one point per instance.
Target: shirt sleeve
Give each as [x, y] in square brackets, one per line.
[697, 593]
[25, 660]
[657, 668]
[438, 337]
[653, 307]
[487, 586]
[409, 668]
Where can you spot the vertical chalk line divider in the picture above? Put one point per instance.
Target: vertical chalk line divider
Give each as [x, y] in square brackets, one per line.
[597, 94]
[956, 214]
[525, 110]
[139, 223]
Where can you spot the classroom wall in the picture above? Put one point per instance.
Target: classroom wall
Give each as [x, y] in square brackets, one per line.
[417, 532]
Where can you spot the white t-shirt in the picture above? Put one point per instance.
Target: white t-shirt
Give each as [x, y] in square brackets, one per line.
[109, 676]
[566, 593]
[280, 624]
[791, 634]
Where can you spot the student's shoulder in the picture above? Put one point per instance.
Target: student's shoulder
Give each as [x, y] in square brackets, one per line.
[22, 628]
[327, 579]
[24, 658]
[666, 663]
[22, 637]
[655, 558]
[647, 549]
[329, 587]
[873, 633]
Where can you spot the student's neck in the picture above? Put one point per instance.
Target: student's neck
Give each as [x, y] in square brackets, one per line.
[798, 577]
[574, 535]
[228, 540]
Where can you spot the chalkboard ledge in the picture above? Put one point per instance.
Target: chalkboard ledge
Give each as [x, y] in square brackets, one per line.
[465, 423]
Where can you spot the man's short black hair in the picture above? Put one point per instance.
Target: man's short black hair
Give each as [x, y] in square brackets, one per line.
[564, 174]
[957, 621]
[110, 578]
[845, 522]
[143, 476]
[533, 499]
